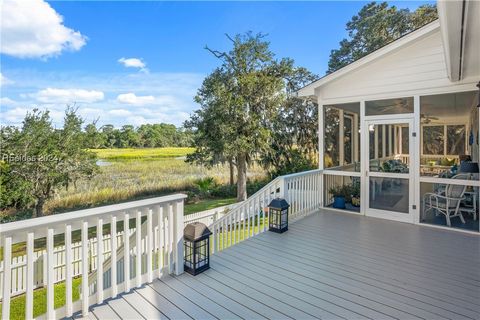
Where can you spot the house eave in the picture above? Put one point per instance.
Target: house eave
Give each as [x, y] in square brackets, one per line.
[309, 90]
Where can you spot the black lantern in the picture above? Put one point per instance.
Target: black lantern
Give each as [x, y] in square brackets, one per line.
[197, 248]
[278, 215]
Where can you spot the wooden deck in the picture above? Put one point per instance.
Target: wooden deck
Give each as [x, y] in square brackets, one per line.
[328, 266]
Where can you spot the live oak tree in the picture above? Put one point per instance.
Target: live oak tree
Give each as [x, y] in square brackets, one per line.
[43, 159]
[238, 101]
[294, 137]
[376, 25]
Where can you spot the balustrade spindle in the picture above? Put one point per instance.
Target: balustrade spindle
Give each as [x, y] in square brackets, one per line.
[170, 238]
[126, 251]
[50, 281]
[29, 289]
[149, 245]
[257, 211]
[234, 235]
[138, 249]
[161, 236]
[99, 260]
[68, 272]
[113, 255]
[85, 260]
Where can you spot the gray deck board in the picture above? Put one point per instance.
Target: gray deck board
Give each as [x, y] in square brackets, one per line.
[434, 265]
[123, 309]
[348, 285]
[440, 282]
[205, 302]
[327, 266]
[180, 301]
[105, 312]
[143, 306]
[341, 276]
[161, 303]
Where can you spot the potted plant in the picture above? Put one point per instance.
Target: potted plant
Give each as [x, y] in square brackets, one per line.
[355, 193]
[339, 195]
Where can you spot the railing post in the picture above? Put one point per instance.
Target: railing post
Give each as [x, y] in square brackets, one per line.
[178, 237]
[7, 273]
[283, 188]
[214, 235]
[29, 289]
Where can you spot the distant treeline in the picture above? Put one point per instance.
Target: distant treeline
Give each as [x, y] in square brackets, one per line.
[144, 136]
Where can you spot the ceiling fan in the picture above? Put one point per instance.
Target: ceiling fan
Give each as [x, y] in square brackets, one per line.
[426, 119]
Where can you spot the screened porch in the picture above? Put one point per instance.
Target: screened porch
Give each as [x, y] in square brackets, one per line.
[411, 159]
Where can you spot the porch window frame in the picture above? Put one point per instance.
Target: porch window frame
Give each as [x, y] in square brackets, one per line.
[445, 139]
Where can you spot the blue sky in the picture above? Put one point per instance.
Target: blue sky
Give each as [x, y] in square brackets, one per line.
[142, 62]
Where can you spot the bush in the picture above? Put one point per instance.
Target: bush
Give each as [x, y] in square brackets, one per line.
[229, 191]
[205, 186]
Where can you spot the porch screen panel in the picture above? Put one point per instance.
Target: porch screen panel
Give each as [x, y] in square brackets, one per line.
[433, 209]
[390, 194]
[449, 178]
[342, 137]
[379, 158]
[341, 192]
[449, 126]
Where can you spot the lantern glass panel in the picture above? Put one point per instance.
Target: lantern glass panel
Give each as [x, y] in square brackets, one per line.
[189, 254]
[201, 253]
[275, 218]
[284, 218]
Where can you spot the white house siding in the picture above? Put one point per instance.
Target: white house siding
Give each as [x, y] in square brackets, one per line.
[418, 67]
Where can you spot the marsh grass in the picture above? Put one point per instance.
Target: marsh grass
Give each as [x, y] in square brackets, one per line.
[129, 180]
[141, 153]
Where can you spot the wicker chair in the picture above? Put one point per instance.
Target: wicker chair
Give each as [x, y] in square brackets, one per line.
[448, 201]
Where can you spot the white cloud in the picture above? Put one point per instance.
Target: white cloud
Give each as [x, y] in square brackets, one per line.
[119, 112]
[134, 63]
[33, 29]
[54, 95]
[133, 99]
[136, 120]
[13, 116]
[4, 80]
[6, 101]
[170, 96]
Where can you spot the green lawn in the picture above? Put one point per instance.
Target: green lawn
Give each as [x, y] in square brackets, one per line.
[240, 233]
[17, 304]
[207, 205]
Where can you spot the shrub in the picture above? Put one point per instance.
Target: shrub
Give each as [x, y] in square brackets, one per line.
[204, 186]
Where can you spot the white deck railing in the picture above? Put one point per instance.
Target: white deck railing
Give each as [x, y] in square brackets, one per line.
[156, 249]
[208, 217]
[301, 190]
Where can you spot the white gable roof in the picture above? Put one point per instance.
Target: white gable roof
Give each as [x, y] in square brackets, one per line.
[432, 61]
[372, 57]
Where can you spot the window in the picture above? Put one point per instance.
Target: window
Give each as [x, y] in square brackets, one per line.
[449, 131]
[433, 140]
[389, 106]
[456, 139]
[405, 146]
[342, 137]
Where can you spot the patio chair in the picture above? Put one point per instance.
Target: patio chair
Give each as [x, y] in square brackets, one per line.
[447, 202]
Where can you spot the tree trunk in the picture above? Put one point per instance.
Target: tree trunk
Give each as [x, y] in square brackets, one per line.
[232, 173]
[39, 207]
[242, 177]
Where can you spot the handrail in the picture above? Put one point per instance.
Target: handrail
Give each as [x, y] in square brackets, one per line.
[18, 226]
[158, 237]
[210, 214]
[301, 190]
